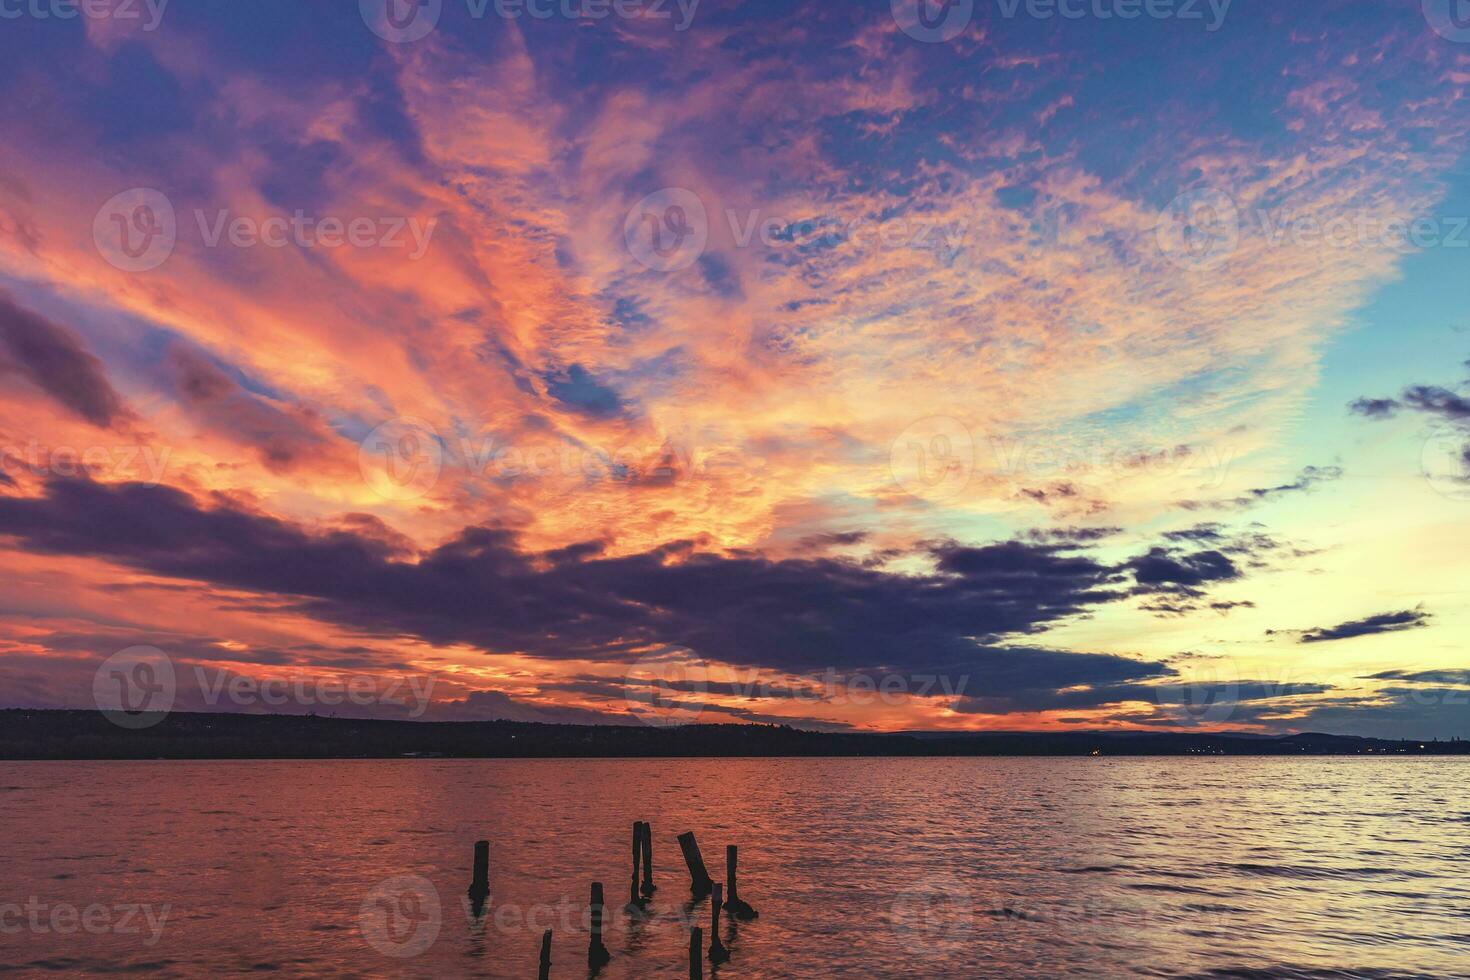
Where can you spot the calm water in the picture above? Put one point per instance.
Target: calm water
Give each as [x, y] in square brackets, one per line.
[922, 868]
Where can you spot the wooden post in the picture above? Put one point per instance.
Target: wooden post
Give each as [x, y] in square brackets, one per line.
[636, 902]
[480, 883]
[696, 954]
[597, 954]
[717, 951]
[648, 886]
[737, 908]
[699, 879]
[545, 973]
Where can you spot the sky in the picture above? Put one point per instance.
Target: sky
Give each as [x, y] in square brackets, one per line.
[865, 366]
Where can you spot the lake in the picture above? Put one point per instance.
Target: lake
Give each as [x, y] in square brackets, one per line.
[1011, 867]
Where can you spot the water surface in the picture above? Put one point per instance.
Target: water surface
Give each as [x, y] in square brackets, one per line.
[1341, 867]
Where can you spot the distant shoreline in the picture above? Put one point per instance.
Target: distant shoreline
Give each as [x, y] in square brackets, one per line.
[73, 735]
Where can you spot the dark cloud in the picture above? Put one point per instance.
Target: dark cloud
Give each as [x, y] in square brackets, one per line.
[832, 539]
[1374, 408]
[1307, 479]
[1412, 714]
[1166, 694]
[576, 389]
[499, 706]
[1067, 497]
[1165, 570]
[1071, 535]
[1433, 400]
[1392, 622]
[794, 615]
[1423, 676]
[1441, 403]
[282, 436]
[53, 360]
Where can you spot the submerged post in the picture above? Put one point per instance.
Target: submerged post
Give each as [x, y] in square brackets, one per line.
[545, 973]
[717, 951]
[480, 883]
[648, 886]
[696, 954]
[699, 879]
[636, 902]
[597, 954]
[738, 908]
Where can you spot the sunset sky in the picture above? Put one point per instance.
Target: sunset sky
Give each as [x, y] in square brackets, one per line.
[728, 361]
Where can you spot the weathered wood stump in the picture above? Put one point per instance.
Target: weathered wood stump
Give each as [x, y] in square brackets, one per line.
[738, 908]
[717, 951]
[648, 887]
[480, 882]
[545, 973]
[597, 954]
[696, 954]
[700, 882]
[636, 902]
